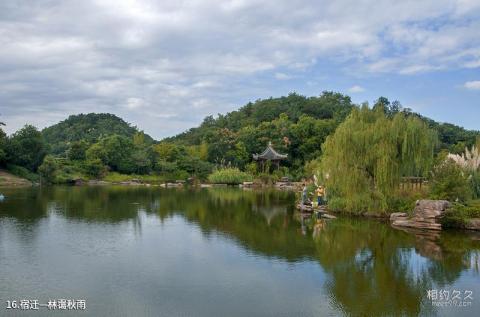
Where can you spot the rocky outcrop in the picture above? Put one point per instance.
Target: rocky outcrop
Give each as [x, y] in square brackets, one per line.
[284, 183]
[94, 182]
[473, 224]
[398, 216]
[174, 184]
[132, 182]
[426, 215]
[305, 208]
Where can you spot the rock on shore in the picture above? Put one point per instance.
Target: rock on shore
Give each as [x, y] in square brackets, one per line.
[473, 224]
[426, 215]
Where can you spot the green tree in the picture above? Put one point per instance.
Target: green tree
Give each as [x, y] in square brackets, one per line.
[222, 146]
[94, 167]
[89, 128]
[48, 169]
[166, 151]
[77, 150]
[165, 167]
[141, 161]
[449, 181]
[26, 148]
[96, 151]
[3, 142]
[365, 158]
[115, 151]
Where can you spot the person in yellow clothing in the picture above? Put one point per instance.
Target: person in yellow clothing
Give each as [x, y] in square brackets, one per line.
[320, 195]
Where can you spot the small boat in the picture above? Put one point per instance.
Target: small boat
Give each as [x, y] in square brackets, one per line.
[2, 197]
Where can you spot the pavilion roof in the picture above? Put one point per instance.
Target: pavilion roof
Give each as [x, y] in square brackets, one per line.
[269, 154]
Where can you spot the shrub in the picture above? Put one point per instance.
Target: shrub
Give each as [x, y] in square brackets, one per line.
[193, 166]
[229, 176]
[48, 169]
[267, 178]
[251, 168]
[450, 182]
[458, 214]
[475, 184]
[165, 167]
[469, 161]
[404, 199]
[95, 168]
[22, 172]
[77, 151]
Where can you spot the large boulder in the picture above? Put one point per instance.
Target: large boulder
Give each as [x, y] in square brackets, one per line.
[430, 208]
[426, 215]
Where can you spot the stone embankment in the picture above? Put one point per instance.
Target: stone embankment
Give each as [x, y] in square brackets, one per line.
[426, 215]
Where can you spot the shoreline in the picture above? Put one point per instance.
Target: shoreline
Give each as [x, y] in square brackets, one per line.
[8, 180]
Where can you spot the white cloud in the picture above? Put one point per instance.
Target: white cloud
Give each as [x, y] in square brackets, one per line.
[356, 89]
[135, 103]
[198, 57]
[472, 85]
[282, 76]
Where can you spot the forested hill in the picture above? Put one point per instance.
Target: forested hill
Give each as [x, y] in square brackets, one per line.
[86, 127]
[296, 125]
[329, 105]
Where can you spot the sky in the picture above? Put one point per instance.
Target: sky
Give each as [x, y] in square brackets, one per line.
[165, 65]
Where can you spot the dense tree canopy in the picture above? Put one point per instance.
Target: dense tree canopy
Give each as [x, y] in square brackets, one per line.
[364, 160]
[26, 148]
[88, 128]
[93, 144]
[296, 125]
[3, 142]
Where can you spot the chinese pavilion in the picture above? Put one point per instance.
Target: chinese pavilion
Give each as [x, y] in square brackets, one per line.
[269, 155]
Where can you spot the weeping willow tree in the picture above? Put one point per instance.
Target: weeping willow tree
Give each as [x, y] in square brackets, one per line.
[364, 160]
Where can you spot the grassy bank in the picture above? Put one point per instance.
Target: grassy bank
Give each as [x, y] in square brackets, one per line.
[115, 177]
[8, 179]
[459, 214]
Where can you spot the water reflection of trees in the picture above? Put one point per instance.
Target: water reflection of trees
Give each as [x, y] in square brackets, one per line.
[369, 264]
[369, 269]
[99, 204]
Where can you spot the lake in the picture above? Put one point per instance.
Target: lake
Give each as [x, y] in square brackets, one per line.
[149, 251]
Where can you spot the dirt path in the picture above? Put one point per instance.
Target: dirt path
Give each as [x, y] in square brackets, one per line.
[10, 180]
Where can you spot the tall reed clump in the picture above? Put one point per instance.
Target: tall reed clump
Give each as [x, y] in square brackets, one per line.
[469, 163]
[230, 176]
[469, 160]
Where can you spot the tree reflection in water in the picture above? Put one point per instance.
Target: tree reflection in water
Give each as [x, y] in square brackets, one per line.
[372, 268]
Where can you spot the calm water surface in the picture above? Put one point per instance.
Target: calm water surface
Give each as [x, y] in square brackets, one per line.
[219, 252]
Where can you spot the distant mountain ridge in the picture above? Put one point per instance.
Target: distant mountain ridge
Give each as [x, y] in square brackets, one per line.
[89, 127]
